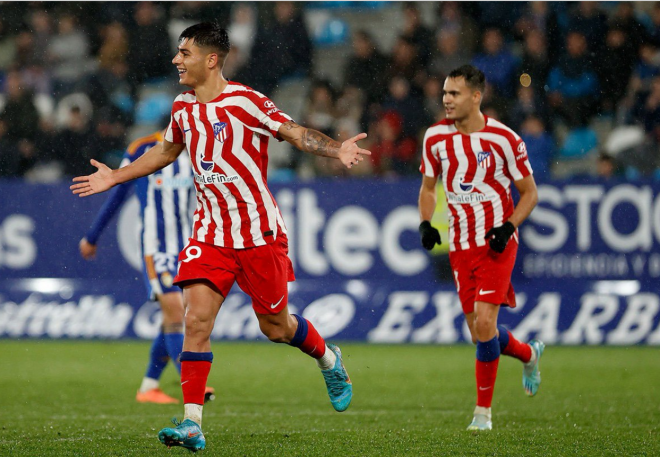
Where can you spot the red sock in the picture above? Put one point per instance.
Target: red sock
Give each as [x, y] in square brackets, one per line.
[194, 373]
[518, 349]
[307, 339]
[486, 373]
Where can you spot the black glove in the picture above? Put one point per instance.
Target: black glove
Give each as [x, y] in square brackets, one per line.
[499, 236]
[430, 235]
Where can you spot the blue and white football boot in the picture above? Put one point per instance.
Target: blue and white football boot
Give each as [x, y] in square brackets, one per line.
[340, 388]
[186, 434]
[531, 372]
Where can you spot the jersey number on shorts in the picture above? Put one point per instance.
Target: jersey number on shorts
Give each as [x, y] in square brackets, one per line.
[164, 262]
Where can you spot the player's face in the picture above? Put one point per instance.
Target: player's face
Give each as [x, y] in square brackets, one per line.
[459, 100]
[190, 61]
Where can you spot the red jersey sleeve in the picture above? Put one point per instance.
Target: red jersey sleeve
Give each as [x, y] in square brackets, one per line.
[518, 165]
[270, 117]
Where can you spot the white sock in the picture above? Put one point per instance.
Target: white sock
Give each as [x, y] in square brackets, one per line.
[193, 411]
[148, 384]
[532, 359]
[483, 411]
[328, 360]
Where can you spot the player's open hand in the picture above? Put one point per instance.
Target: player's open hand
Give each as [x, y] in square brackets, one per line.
[350, 153]
[87, 249]
[95, 183]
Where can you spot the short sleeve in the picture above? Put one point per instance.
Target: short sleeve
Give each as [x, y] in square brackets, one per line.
[269, 116]
[430, 165]
[174, 133]
[520, 168]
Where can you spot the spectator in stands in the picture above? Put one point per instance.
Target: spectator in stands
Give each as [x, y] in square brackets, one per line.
[404, 63]
[654, 27]
[624, 19]
[606, 167]
[365, 69]
[540, 145]
[19, 114]
[434, 110]
[590, 21]
[535, 60]
[538, 17]
[497, 62]
[573, 83]
[242, 32]
[68, 53]
[527, 103]
[647, 109]
[449, 53]
[74, 145]
[393, 154]
[41, 27]
[406, 104]
[319, 112]
[286, 37]
[614, 65]
[415, 31]
[453, 19]
[149, 51]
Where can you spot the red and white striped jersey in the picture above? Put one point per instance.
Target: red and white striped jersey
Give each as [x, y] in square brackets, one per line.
[477, 171]
[227, 139]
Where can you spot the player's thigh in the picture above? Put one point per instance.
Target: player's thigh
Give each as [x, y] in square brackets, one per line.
[264, 275]
[171, 305]
[202, 301]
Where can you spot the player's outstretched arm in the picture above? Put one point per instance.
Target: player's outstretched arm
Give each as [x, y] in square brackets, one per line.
[156, 158]
[315, 142]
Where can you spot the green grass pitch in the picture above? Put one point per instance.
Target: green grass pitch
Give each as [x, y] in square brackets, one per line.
[77, 399]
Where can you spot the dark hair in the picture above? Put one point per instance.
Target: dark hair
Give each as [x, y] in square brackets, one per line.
[474, 78]
[208, 34]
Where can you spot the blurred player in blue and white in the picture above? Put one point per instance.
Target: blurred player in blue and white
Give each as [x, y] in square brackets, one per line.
[164, 206]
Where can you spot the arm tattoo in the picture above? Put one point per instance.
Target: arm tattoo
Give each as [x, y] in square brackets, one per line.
[319, 144]
[290, 125]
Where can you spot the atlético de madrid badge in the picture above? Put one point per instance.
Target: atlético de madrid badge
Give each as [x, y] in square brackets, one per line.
[220, 131]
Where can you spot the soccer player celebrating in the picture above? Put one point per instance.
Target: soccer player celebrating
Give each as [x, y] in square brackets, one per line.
[477, 158]
[164, 200]
[238, 233]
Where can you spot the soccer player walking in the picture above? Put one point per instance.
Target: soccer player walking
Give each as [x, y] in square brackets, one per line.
[238, 233]
[477, 158]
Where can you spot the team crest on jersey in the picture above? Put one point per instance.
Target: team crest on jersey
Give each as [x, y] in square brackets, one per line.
[220, 131]
[483, 159]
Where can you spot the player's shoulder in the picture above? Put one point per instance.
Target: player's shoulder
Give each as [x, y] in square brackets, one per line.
[188, 96]
[237, 90]
[140, 145]
[442, 127]
[500, 128]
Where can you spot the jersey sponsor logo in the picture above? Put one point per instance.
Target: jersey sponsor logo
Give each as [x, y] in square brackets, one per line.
[465, 199]
[215, 178]
[465, 187]
[220, 131]
[206, 165]
[269, 104]
[483, 159]
[522, 151]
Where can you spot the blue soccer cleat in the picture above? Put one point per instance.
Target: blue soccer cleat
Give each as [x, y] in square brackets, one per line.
[340, 389]
[531, 372]
[186, 434]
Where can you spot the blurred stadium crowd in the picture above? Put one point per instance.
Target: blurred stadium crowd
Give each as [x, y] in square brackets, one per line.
[81, 80]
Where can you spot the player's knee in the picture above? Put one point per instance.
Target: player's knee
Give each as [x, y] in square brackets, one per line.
[197, 323]
[484, 329]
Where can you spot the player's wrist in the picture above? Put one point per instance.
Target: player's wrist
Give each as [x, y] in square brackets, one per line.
[425, 225]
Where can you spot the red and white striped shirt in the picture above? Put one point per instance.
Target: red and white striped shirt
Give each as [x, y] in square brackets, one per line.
[227, 139]
[477, 171]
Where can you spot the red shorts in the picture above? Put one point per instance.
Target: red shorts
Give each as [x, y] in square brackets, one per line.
[261, 272]
[482, 274]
